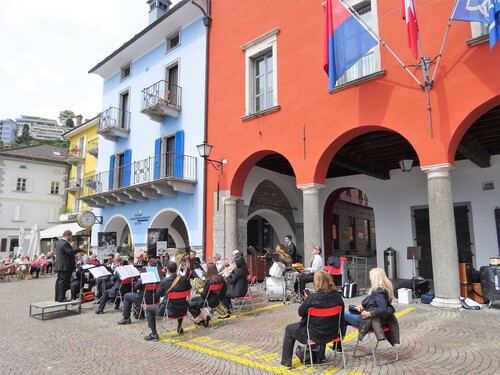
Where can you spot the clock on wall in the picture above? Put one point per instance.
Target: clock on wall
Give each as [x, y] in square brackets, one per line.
[86, 219]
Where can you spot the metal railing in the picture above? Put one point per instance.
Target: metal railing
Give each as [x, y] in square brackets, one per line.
[93, 146]
[114, 118]
[151, 169]
[74, 183]
[161, 91]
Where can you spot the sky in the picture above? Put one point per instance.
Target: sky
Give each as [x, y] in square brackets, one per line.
[47, 48]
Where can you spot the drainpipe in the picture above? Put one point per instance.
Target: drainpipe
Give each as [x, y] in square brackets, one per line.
[207, 21]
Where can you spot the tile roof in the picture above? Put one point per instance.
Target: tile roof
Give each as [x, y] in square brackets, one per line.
[44, 152]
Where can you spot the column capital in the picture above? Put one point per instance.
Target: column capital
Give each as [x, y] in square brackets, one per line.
[438, 170]
[310, 187]
[231, 200]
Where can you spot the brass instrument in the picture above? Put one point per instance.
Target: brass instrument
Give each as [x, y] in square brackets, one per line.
[299, 267]
[198, 285]
[227, 270]
[284, 255]
[221, 309]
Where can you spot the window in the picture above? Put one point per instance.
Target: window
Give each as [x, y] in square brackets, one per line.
[172, 86]
[169, 156]
[124, 110]
[173, 40]
[368, 242]
[21, 184]
[261, 73]
[335, 232]
[352, 236]
[125, 71]
[54, 187]
[367, 64]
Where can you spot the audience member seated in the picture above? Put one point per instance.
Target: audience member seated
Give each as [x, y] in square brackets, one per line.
[170, 283]
[237, 284]
[212, 277]
[38, 265]
[51, 258]
[321, 329]
[23, 266]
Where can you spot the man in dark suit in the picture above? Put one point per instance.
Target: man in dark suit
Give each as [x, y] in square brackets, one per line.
[291, 248]
[170, 283]
[65, 264]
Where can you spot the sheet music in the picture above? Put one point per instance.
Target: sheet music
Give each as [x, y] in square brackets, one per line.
[149, 278]
[99, 272]
[127, 272]
[155, 271]
[199, 273]
[204, 266]
[87, 266]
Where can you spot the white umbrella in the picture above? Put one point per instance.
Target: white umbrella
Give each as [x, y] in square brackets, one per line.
[34, 247]
[21, 242]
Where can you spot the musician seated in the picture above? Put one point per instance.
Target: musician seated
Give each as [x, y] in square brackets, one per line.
[81, 279]
[237, 284]
[194, 263]
[111, 292]
[316, 265]
[170, 283]
[219, 263]
[212, 277]
[140, 261]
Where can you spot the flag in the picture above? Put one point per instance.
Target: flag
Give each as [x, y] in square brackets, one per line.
[485, 11]
[346, 41]
[410, 16]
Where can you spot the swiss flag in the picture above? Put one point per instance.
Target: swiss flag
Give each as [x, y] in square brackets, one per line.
[410, 16]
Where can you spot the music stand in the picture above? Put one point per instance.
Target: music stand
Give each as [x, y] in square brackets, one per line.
[414, 253]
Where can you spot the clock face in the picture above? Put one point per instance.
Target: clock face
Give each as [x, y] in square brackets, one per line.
[86, 219]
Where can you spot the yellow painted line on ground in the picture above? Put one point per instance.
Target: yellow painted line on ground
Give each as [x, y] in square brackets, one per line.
[269, 357]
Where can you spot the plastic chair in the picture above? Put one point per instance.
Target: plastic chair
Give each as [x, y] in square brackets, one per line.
[184, 295]
[248, 297]
[149, 297]
[334, 313]
[371, 333]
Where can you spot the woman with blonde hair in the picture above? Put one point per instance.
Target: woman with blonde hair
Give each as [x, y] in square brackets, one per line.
[375, 308]
[322, 329]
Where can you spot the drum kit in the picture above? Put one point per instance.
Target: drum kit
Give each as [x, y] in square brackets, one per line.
[281, 281]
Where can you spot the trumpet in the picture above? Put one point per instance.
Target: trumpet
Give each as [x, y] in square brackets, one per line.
[228, 269]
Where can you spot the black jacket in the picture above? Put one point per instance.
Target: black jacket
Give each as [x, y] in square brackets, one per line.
[175, 307]
[322, 329]
[65, 256]
[214, 297]
[237, 284]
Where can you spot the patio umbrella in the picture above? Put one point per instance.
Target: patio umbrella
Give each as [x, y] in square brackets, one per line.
[21, 242]
[34, 247]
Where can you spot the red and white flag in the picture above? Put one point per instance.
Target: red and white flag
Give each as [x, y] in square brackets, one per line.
[410, 16]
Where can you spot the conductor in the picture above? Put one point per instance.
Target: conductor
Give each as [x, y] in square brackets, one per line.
[65, 264]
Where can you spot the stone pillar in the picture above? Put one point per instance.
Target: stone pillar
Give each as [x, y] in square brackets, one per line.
[443, 237]
[312, 219]
[230, 225]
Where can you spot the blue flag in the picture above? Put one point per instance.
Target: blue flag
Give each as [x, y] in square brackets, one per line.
[485, 11]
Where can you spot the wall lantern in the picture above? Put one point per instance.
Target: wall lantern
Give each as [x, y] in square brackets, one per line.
[406, 165]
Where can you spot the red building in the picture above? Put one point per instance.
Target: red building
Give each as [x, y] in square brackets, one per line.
[292, 148]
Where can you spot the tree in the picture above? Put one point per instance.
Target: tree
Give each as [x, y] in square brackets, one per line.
[66, 118]
[25, 139]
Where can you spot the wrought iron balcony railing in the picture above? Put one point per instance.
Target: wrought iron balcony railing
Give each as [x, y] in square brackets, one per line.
[161, 99]
[114, 122]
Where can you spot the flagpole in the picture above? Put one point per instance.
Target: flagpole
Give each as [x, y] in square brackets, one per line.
[444, 41]
[370, 30]
[424, 65]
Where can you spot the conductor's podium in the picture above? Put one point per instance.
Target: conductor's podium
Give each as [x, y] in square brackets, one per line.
[55, 309]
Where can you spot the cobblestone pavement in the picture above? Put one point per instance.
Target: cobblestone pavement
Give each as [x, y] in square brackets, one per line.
[433, 341]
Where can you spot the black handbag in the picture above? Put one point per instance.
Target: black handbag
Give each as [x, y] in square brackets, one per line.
[354, 310]
[303, 353]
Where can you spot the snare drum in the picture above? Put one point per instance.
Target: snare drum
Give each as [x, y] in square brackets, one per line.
[291, 279]
[277, 269]
[275, 288]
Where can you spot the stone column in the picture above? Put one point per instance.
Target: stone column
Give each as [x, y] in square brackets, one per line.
[230, 225]
[312, 219]
[443, 236]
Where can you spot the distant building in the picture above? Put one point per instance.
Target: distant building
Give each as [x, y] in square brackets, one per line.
[41, 128]
[32, 190]
[8, 130]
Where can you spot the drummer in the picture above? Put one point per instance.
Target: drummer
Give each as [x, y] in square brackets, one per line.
[308, 276]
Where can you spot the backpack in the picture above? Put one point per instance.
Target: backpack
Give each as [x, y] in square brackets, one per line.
[333, 261]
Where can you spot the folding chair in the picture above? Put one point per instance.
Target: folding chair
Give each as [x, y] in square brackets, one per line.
[248, 297]
[371, 333]
[184, 295]
[334, 313]
[149, 297]
[125, 287]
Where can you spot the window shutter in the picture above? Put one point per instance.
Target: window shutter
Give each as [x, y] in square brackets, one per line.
[18, 213]
[127, 167]
[111, 172]
[179, 153]
[157, 161]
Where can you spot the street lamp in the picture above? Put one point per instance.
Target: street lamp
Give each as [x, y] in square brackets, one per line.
[204, 150]
[406, 165]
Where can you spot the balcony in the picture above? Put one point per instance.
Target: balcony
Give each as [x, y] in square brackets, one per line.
[160, 100]
[75, 156]
[151, 178]
[74, 185]
[114, 123]
[93, 147]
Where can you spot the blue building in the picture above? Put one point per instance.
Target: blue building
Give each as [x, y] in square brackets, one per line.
[148, 183]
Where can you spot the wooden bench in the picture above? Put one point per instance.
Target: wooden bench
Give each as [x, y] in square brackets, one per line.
[52, 307]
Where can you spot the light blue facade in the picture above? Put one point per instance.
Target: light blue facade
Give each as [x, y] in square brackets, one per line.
[149, 174]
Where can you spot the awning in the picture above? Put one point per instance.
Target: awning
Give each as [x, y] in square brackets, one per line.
[58, 230]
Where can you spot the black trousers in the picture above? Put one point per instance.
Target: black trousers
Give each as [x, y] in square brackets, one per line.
[152, 312]
[63, 283]
[296, 332]
[129, 299]
[303, 280]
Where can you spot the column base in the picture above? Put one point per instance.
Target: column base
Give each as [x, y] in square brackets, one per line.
[446, 303]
